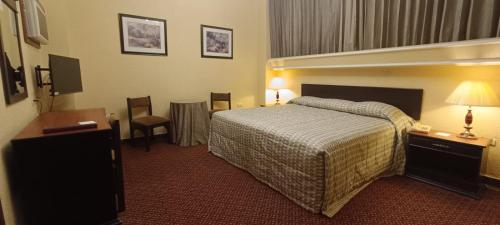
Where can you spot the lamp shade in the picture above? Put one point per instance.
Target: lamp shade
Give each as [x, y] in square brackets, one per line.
[473, 93]
[277, 83]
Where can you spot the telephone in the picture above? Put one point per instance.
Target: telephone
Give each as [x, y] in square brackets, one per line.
[418, 127]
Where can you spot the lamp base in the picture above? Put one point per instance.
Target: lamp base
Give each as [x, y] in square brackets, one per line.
[467, 134]
[277, 97]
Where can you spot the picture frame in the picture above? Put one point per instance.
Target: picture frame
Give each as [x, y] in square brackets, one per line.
[216, 42]
[12, 68]
[143, 35]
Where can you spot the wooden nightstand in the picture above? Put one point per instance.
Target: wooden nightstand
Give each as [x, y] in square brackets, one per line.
[446, 161]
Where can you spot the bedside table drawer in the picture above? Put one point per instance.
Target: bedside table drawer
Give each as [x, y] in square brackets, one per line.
[444, 146]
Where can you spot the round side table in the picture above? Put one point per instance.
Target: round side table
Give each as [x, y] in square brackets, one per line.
[189, 122]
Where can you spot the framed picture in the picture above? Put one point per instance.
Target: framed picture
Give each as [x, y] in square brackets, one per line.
[143, 35]
[216, 42]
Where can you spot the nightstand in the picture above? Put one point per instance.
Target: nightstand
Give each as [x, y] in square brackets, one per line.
[449, 162]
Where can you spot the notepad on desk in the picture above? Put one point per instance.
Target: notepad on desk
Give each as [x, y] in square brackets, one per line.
[443, 134]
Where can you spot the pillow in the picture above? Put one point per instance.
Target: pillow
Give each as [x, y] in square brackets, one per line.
[375, 109]
[323, 103]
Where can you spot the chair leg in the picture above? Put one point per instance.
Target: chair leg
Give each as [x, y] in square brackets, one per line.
[146, 138]
[132, 136]
[169, 134]
[152, 134]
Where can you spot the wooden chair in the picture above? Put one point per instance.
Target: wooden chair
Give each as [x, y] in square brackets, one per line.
[146, 124]
[219, 97]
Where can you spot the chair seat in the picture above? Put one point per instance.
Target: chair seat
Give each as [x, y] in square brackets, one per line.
[149, 121]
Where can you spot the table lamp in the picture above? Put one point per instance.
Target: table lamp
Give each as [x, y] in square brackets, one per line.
[277, 83]
[472, 93]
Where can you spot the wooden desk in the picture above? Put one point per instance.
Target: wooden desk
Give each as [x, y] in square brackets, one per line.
[66, 177]
[61, 119]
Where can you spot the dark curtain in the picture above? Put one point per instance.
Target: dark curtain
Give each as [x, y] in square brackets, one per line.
[305, 27]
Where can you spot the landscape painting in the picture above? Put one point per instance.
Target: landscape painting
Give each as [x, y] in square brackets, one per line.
[216, 42]
[143, 35]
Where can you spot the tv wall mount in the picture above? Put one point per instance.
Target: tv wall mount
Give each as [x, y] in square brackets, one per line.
[39, 81]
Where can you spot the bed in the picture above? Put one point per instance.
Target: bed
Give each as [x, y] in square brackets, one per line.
[321, 149]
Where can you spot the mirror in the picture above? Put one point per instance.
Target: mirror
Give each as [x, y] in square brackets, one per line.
[11, 60]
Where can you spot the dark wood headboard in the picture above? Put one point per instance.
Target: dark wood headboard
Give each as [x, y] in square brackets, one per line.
[408, 100]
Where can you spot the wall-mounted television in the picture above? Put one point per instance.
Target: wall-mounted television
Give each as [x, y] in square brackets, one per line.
[65, 75]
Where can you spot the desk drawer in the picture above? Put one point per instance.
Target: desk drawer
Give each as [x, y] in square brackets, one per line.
[444, 146]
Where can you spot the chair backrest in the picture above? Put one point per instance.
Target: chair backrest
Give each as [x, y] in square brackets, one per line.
[142, 102]
[220, 97]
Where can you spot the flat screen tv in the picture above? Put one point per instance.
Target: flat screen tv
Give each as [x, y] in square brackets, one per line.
[65, 75]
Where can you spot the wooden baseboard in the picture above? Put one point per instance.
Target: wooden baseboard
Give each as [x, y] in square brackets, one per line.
[490, 181]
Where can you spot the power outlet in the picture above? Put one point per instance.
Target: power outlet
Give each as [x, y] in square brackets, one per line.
[239, 105]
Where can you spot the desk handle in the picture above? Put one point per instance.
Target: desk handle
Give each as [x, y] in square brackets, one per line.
[441, 145]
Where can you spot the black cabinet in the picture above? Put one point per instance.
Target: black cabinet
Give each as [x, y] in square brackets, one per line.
[446, 161]
[68, 177]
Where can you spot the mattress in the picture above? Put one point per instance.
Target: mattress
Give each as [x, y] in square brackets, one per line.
[317, 152]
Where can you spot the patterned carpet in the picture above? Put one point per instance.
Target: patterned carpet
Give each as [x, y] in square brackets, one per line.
[174, 185]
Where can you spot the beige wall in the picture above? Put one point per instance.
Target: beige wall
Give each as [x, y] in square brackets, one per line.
[437, 81]
[264, 52]
[109, 76]
[88, 29]
[14, 117]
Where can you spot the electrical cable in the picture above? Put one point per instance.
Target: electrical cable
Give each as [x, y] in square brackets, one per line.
[52, 103]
